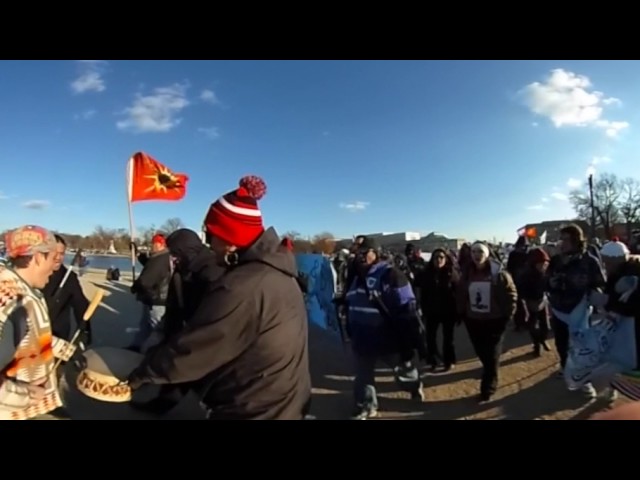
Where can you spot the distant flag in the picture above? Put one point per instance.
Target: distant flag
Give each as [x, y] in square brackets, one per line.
[543, 238]
[148, 179]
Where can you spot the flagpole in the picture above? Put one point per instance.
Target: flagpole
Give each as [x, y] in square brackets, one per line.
[129, 185]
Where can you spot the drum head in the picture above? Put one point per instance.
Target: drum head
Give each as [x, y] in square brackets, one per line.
[112, 361]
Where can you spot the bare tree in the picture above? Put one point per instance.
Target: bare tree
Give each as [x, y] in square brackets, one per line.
[606, 198]
[171, 225]
[324, 242]
[629, 202]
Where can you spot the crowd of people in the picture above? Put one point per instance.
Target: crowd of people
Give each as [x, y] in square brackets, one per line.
[227, 320]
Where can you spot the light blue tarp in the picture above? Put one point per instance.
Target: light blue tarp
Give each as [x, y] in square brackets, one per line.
[597, 346]
[319, 299]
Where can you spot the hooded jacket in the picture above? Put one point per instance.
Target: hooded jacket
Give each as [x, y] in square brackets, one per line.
[195, 270]
[152, 286]
[245, 350]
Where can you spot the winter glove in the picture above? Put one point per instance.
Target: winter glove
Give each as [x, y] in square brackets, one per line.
[626, 286]
[598, 299]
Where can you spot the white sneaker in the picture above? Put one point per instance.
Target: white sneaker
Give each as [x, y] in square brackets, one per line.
[609, 394]
[588, 391]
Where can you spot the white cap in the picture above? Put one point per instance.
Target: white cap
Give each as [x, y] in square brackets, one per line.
[614, 249]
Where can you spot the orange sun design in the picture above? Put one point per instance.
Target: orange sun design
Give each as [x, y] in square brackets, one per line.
[163, 180]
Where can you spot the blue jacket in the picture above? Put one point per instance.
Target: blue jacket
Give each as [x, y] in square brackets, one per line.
[371, 333]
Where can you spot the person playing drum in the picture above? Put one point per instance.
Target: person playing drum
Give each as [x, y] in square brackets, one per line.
[28, 385]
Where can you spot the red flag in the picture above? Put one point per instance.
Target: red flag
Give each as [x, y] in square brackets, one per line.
[149, 179]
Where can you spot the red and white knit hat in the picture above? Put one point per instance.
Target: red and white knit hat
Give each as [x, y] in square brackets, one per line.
[235, 217]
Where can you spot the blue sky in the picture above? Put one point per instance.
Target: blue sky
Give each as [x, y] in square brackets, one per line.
[473, 149]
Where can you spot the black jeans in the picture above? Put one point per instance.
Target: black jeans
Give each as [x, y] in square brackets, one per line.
[561, 334]
[433, 323]
[539, 326]
[487, 338]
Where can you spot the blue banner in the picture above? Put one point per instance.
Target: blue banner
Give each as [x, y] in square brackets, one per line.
[321, 289]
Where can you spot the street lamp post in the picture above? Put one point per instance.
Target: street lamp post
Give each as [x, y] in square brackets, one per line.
[593, 209]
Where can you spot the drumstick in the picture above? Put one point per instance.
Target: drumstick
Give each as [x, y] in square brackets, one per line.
[91, 309]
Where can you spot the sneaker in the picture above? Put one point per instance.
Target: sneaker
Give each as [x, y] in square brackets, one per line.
[417, 395]
[364, 414]
[484, 397]
[545, 346]
[609, 395]
[588, 391]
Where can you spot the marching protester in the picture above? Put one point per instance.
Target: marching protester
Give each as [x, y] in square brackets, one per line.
[416, 265]
[64, 295]
[244, 351]
[383, 322]
[623, 285]
[516, 264]
[531, 285]
[437, 284]
[487, 299]
[464, 257]
[572, 275]
[28, 384]
[151, 289]
[195, 271]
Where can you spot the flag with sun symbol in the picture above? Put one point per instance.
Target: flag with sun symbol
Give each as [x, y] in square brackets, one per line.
[149, 179]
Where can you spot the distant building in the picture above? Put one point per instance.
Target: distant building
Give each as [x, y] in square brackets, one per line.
[437, 240]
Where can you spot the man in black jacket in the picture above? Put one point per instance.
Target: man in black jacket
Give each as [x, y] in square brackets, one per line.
[63, 294]
[151, 289]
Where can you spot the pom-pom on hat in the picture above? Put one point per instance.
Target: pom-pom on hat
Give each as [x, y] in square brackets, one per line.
[614, 249]
[235, 217]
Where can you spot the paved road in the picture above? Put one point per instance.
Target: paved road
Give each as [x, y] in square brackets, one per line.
[529, 388]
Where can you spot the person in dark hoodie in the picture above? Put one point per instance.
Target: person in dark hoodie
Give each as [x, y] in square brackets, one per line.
[487, 300]
[64, 295]
[531, 292]
[151, 289]
[416, 265]
[572, 275]
[516, 264]
[195, 271]
[245, 350]
[437, 284]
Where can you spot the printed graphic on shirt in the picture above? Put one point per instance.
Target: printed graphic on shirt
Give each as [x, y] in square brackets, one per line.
[480, 296]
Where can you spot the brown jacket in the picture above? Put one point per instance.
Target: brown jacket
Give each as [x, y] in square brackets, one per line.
[487, 294]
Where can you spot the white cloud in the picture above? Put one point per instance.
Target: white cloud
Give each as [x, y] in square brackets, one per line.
[156, 112]
[544, 199]
[36, 204]
[86, 115]
[568, 100]
[90, 77]
[211, 132]
[574, 183]
[536, 207]
[355, 206]
[209, 96]
[559, 196]
[595, 161]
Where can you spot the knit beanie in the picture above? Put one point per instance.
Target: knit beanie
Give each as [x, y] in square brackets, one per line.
[538, 255]
[235, 217]
[614, 248]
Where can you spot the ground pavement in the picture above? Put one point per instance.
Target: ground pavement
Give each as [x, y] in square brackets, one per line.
[529, 386]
